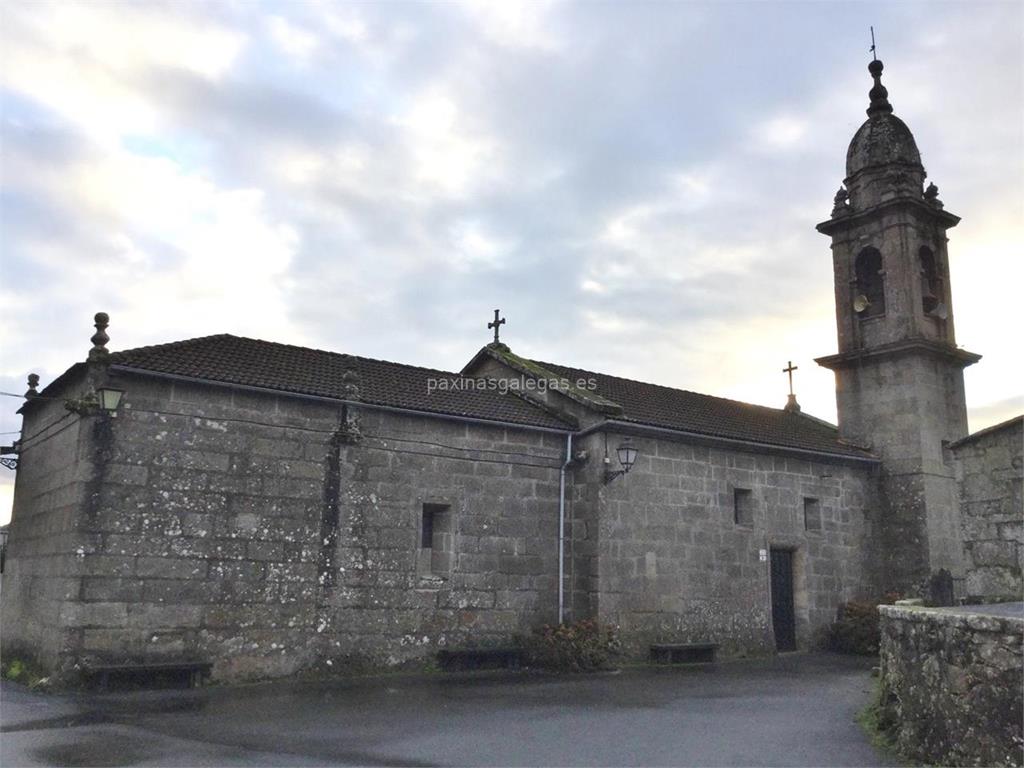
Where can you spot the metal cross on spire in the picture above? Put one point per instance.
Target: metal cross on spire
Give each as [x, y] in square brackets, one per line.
[874, 53]
[496, 325]
[790, 370]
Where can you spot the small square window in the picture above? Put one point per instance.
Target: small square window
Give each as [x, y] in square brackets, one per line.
[812, 515]
[743, 506]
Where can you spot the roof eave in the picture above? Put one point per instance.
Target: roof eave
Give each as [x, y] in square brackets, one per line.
[729, 442]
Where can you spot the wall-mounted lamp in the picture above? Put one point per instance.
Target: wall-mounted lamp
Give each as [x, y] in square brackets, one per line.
[9, 456]
[627, 458]
[109, 398]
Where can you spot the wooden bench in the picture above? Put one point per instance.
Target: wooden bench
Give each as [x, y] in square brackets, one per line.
[683, 653]
[194, 672]
[480, 658]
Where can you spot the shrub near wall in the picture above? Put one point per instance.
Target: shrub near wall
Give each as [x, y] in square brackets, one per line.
[952, 685]
[583, 646]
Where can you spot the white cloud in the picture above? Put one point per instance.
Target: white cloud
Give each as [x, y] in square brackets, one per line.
[475, 246]
[782, 132]
[81, 59]
[450, 157]
[295, 41]
[515, 24]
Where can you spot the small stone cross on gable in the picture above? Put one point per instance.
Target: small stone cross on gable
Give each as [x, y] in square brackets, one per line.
[496, 325]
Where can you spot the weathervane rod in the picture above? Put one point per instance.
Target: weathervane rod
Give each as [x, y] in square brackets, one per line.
[874, 56]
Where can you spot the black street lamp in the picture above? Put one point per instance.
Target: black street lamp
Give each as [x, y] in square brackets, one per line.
[626, 454]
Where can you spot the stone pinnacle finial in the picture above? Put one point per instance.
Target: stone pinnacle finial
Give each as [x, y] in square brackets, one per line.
[350, 384]
[839, 204]
[33, 383]
[100, 338]
[879, 95]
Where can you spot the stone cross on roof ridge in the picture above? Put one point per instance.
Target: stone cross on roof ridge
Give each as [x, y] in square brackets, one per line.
[496, 325]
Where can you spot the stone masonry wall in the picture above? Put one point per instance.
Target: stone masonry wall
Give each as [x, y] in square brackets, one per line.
[951, 685]
[247, 530]
[904, 408]
[990, 477]
[41, 581]
[494, 574]
[674, 566]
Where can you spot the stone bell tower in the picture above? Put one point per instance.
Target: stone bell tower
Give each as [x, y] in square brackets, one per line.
[899, 373]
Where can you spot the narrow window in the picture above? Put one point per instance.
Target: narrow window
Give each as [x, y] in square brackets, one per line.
[812, 515]
[931, 284]
[743, 506]
[427, 528]
[435, 553]
[870, 282]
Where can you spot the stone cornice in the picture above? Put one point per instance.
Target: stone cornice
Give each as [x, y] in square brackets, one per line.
[899, 349]
[849, 220]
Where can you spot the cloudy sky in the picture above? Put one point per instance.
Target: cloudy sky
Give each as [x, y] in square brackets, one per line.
[634, 184]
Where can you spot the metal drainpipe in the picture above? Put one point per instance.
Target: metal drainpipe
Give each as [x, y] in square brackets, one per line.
[561, 529]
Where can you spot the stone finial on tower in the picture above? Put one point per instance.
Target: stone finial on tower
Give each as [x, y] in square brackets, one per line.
[840, 207]
[100, 338]
[931, 196]
[879, 95]
[350, 384]
[33, 384]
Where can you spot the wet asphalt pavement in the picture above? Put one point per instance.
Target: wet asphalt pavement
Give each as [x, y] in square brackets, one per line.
[796, 709]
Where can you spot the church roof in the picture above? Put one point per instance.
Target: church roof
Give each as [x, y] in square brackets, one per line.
[278, 367]
[691, 412]
[268, 365]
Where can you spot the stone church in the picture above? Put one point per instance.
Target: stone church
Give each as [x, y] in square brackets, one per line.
[268, 508]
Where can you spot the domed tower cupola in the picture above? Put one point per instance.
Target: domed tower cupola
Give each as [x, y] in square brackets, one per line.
[883, 160]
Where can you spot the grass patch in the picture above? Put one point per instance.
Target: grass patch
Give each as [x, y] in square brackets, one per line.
[23, 672]
[877, 725]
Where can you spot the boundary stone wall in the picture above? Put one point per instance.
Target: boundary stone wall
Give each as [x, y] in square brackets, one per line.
[952, 685]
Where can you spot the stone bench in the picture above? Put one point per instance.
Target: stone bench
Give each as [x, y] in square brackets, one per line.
[194, 672]
[480, 658]
[683, 653]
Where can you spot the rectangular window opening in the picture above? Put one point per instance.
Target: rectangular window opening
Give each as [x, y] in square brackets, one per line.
[812, 515]
[435, 556]
[427, 526]
[743, 507]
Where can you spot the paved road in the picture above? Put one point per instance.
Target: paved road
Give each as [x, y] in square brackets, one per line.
[792, 710]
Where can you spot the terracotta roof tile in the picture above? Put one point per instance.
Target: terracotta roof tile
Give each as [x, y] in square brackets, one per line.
[678, 409]
[286, 368]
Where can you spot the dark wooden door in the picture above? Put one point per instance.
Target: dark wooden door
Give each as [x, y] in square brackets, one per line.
[783, 615]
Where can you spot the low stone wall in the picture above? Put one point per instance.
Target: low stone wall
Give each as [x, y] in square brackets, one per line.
[951, 685]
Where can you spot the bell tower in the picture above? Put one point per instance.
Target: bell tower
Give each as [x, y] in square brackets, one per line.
[899, 372]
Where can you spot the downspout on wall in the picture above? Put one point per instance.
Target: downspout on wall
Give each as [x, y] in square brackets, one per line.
[561, 529]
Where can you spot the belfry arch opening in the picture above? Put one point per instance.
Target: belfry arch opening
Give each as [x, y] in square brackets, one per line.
[931, 283]
[870, 282]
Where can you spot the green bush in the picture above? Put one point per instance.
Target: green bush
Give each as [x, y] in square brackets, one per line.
[22, 671]
[583, 646]
[856, 630]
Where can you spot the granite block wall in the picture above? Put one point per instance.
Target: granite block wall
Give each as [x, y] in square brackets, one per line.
[904, 409]
[42, 581]
[267, 535]
[492, 575]
[952, 685]
[990, 476]
[675, 566]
